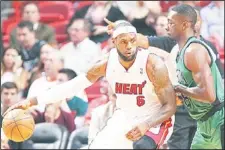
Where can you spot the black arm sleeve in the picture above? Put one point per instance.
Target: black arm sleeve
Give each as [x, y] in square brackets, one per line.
[164, 42]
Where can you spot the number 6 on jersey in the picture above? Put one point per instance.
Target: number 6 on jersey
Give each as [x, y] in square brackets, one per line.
[140, 100]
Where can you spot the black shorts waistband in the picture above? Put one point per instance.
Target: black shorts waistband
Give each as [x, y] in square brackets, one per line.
[212, 111]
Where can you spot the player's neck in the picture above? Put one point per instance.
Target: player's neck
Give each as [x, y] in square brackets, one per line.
[126, 64]
[183, 39]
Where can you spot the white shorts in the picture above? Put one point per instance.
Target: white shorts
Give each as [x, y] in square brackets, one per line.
[113, 134]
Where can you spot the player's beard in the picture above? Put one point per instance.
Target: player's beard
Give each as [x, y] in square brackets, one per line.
[124, 58]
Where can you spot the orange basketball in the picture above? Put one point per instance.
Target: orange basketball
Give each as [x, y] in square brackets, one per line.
[18, 125]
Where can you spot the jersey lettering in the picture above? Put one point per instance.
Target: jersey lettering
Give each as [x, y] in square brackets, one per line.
[124, 88]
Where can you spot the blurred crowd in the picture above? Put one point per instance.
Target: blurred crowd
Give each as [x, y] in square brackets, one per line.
[44, 43]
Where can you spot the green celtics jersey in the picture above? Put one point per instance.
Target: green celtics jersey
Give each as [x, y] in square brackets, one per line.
[198, 109]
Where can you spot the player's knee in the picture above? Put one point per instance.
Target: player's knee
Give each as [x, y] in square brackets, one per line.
[145, 143]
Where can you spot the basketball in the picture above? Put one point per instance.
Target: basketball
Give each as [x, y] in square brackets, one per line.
[18, 125]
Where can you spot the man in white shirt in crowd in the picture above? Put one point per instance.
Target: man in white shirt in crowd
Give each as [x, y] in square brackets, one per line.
[53, 64]
[80, 53]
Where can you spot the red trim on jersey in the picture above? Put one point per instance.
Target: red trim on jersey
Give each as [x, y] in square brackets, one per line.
[163, 132]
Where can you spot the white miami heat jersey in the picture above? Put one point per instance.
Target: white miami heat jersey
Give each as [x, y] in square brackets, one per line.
[135, 92]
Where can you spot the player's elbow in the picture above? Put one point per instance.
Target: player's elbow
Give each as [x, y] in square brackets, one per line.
[170, 109]
[210, 96]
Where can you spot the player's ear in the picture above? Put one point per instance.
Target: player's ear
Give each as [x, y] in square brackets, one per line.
[185, 25]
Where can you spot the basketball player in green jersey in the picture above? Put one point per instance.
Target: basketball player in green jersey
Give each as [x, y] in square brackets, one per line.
[199, 81]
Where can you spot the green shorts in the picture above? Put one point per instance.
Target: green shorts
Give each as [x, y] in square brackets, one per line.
[209, 134]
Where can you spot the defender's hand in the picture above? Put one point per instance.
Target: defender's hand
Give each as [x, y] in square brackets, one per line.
[110, 26]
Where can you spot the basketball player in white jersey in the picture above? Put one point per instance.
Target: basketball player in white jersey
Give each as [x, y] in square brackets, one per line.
[145, 96]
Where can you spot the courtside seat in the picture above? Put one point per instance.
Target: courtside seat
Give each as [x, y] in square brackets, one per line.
[47, 136]
[74, 138]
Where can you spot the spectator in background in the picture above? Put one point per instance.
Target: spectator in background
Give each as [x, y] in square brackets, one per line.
[9, 96]
[37, 72]
[53, 63]
[30, 12]
[138, 18]
[96, 13]
[53, 113]
[39, 69]
[76, 104]
[213, 21]
[160, 26]
[80, 53]
[30, 47]
[12, 70]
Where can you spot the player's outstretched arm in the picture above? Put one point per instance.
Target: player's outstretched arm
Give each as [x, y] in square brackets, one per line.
[159, 76]
[67, 89]
[197, 60]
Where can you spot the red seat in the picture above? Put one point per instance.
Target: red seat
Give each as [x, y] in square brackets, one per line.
[221, 53]
[60, 30]
[10, 27]
[62, 38]
[165, 5]
[60, 27]
[7, 23]
[50, 17]
[60, 8]
[5, 40]
[202, 3]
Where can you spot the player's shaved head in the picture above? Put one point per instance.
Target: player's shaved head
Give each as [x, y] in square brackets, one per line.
[187, 11]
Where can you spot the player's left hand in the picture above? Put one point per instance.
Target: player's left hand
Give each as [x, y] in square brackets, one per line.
[137, 132]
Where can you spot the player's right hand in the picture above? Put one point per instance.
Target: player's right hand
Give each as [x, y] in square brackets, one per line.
[25, 104]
